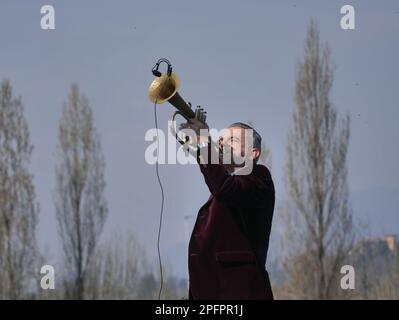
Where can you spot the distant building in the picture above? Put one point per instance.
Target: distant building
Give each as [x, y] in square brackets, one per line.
[375, 260]
[375, 253]
[391, 241]
[376, 246]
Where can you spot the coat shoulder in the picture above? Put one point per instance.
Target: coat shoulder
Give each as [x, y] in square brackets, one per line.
[262, 171]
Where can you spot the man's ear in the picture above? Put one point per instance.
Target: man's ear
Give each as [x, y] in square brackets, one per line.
[255, 153]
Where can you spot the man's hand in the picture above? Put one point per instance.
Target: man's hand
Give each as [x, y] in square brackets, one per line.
[199, 134]
[194, 126]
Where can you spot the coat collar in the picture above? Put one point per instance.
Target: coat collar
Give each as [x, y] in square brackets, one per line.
[257, 169]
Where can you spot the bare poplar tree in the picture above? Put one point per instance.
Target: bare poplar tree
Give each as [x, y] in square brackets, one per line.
[18, 210]
[81, 207]
[316, 181]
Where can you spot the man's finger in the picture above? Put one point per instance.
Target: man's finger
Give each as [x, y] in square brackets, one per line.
[193, 121]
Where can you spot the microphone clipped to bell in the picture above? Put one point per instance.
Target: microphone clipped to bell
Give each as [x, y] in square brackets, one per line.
[164, 88]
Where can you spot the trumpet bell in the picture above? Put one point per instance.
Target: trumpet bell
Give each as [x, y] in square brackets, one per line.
[163, 88]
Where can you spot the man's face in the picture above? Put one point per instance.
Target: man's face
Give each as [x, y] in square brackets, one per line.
[237, 144]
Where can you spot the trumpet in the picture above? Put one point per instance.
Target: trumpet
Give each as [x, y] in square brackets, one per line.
[164, 88]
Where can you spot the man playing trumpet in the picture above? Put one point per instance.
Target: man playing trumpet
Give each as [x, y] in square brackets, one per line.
[230, 239]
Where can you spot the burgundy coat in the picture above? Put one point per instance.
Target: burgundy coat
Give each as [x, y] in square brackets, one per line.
[230, 239]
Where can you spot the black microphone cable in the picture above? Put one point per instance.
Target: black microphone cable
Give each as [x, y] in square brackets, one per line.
[156, 73]
[162, 203]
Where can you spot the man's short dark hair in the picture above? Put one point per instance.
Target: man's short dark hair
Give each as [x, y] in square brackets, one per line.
[257, 139]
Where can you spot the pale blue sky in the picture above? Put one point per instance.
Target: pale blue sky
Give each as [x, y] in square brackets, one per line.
[237, 59]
